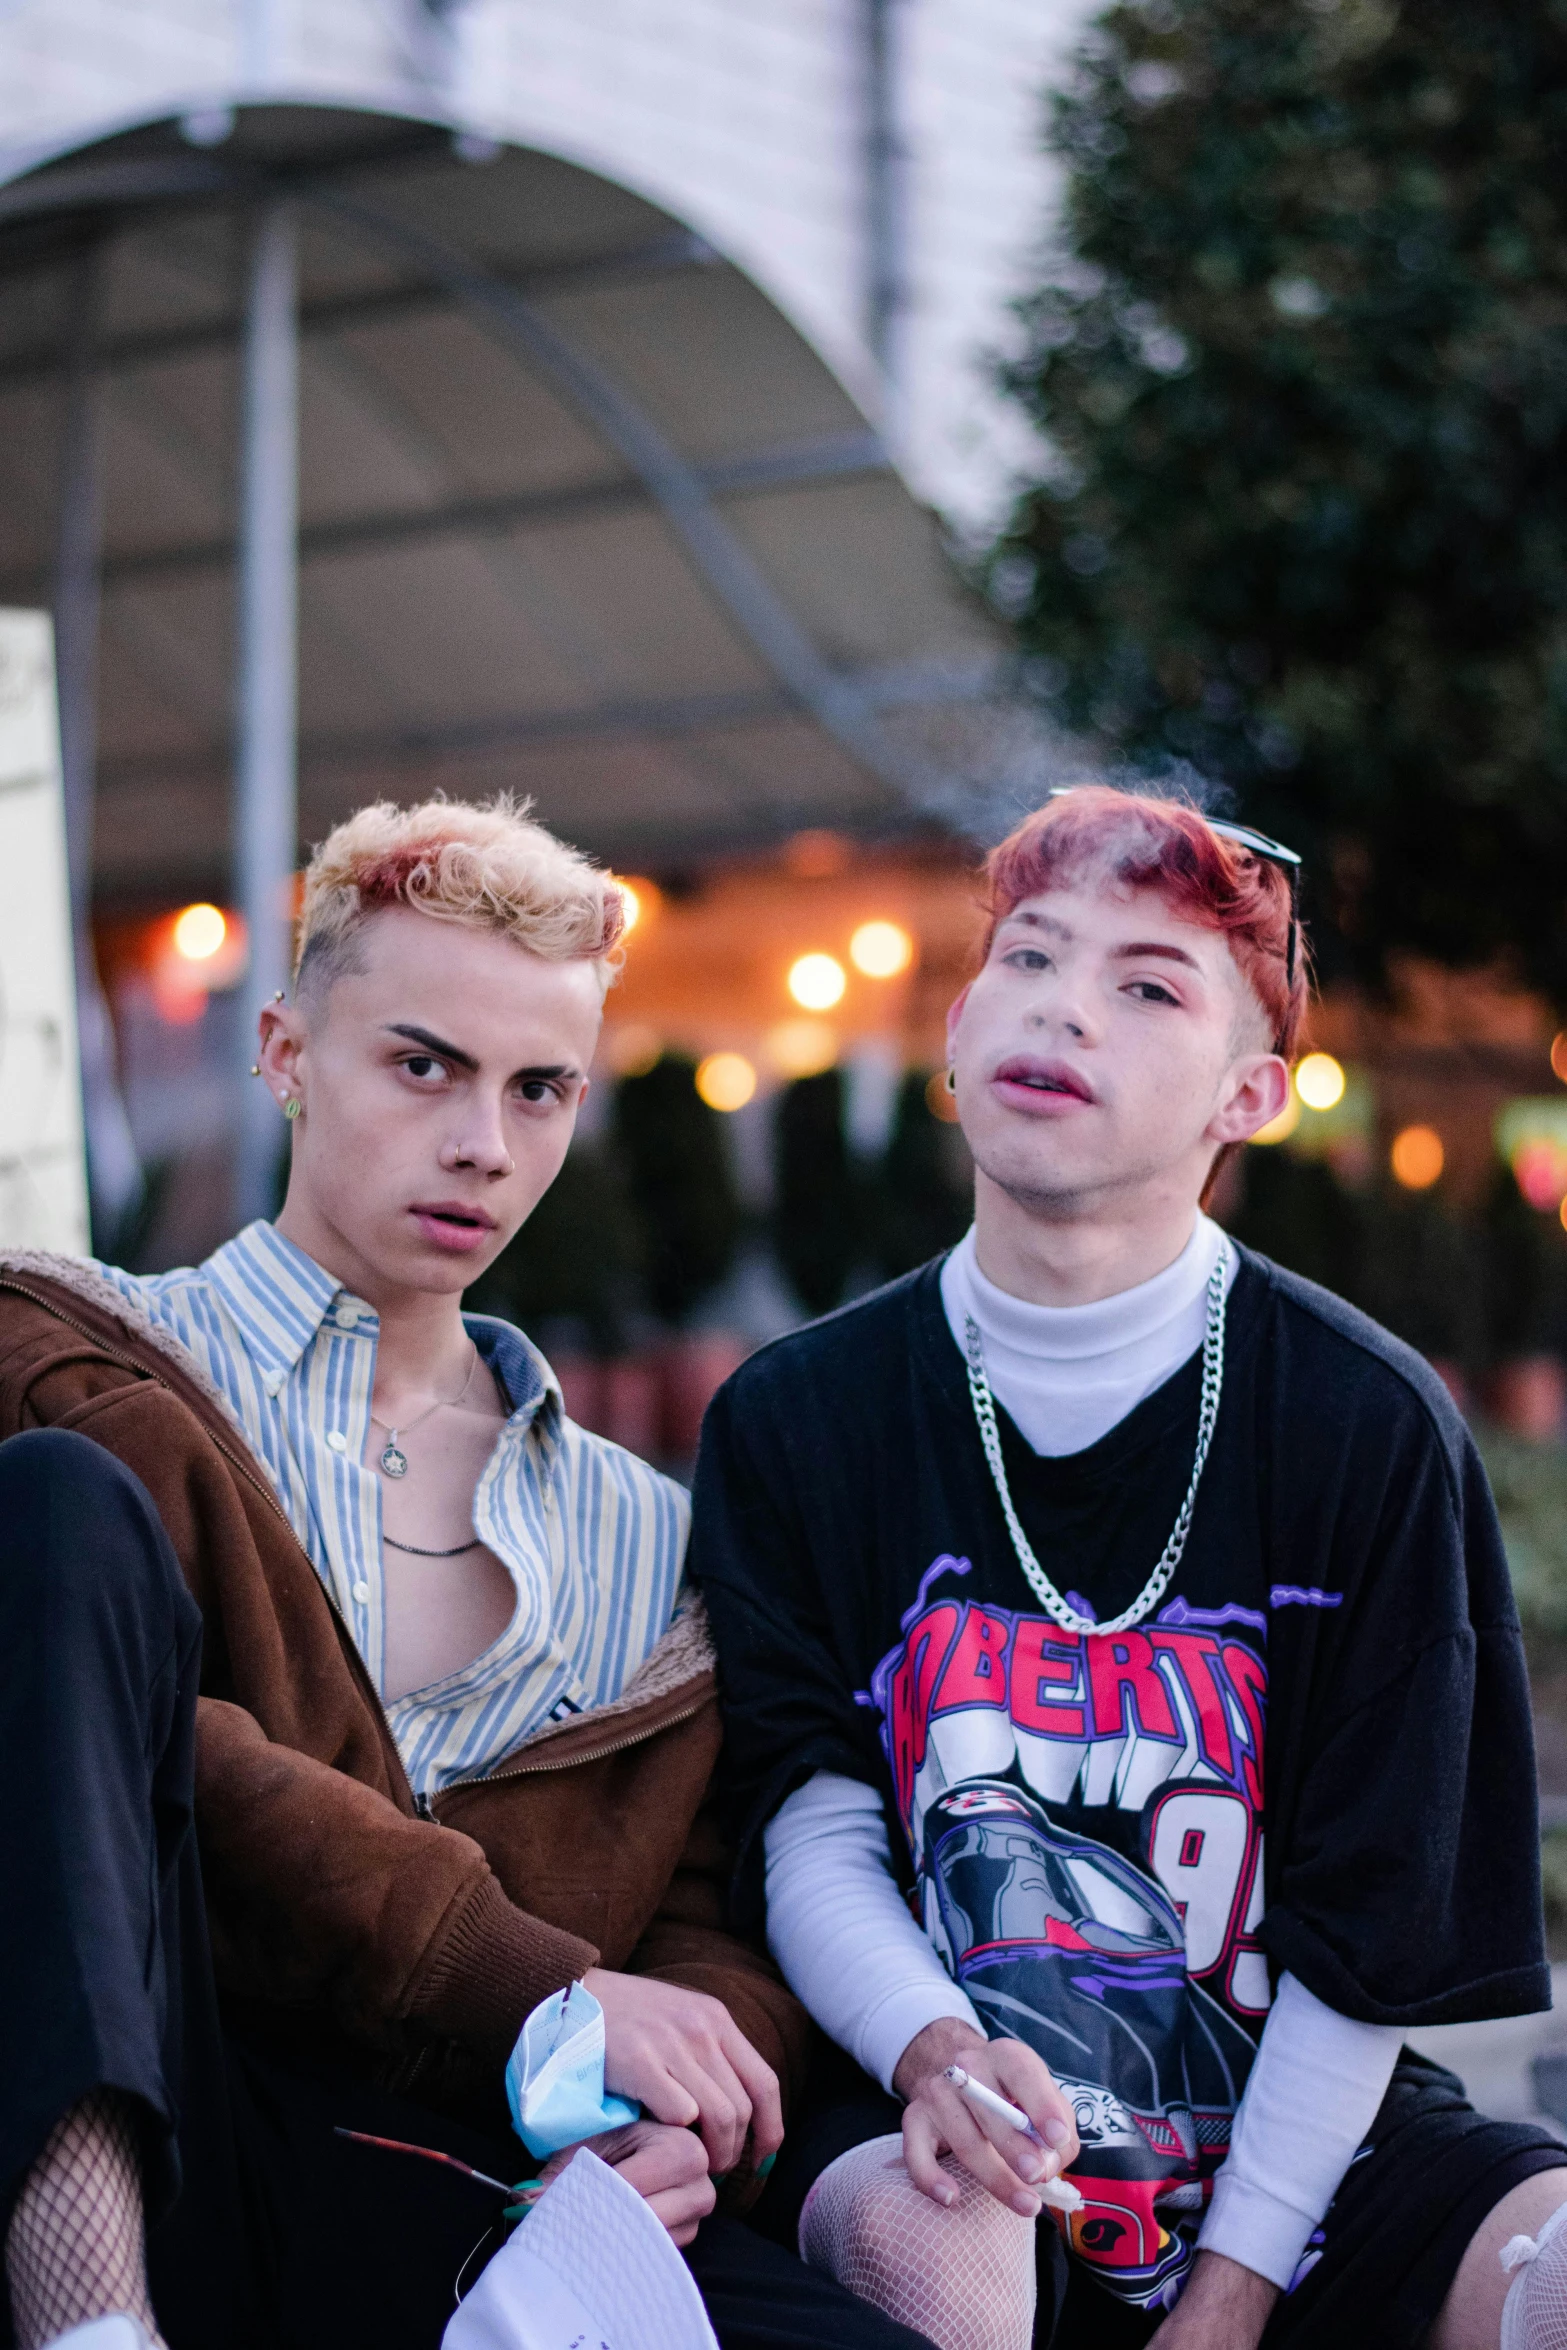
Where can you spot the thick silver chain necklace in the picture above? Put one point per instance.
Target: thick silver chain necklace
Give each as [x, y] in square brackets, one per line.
[1050, 1599]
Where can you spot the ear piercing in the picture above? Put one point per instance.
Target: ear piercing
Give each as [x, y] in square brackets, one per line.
[952, 1078]
[293, 1106]
[255, 1068]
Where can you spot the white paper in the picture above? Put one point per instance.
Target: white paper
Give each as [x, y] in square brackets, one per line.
[43, 1172]
[590, 2268]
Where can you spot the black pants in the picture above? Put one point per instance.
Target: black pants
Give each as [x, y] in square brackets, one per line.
[265, 2229]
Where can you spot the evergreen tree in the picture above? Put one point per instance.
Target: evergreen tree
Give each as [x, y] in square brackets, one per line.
[1302, 365]
[817, 1213]
[925, 1198]
[676, 1166]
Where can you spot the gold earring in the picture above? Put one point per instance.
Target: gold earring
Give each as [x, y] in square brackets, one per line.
[293, 1106]
[952, 1078]
[277, 995]
[255, 1068]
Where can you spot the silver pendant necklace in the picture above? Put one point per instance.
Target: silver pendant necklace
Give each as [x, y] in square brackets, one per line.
[1170, 1557]
[394, 1461]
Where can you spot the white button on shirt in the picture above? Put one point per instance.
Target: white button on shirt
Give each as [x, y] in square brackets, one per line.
[593, 1539]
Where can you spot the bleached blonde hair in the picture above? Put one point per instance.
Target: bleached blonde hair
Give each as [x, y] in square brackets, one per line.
[487, 867]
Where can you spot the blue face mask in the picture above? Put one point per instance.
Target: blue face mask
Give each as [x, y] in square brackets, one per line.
[555, 2075]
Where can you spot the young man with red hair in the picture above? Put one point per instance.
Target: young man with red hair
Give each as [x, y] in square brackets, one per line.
[1125, 1699]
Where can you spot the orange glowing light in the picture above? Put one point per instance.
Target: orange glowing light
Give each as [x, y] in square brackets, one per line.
[817, 982]
[802, 1048]
[1320, 1081]
[881, 949]
[640, 899]
[1417, 1157]
[199, 932]
[1559, 1055]
[725, 1081]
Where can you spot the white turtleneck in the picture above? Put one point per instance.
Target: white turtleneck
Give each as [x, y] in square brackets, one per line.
[1067, 1374]
[836, 1921]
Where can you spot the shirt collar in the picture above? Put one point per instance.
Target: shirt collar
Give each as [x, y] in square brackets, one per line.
[526, 1378]
[280, 1297]
[277, 1295]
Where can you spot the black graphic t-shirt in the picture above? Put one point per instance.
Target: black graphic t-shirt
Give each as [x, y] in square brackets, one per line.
[1314, 1754]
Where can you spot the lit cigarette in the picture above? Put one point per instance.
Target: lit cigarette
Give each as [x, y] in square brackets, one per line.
[1060, 2194]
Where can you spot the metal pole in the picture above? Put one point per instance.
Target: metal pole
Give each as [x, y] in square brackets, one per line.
[266, 813]
[114, 1169]
[886, 296]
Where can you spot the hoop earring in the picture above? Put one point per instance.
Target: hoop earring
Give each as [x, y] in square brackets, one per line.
[952, 1078]
[292, 1107]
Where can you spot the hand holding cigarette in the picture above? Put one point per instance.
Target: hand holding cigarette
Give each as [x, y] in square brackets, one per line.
[1060, 2194]
[994, 2106]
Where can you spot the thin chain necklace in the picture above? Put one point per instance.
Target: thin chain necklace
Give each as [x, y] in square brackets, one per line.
[394, 1461]
[1170, 1557]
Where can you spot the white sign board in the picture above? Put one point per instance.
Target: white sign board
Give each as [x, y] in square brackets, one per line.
[43, 1173]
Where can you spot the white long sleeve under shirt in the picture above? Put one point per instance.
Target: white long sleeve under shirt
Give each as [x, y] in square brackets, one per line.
[838, 1925]
[848, 1948]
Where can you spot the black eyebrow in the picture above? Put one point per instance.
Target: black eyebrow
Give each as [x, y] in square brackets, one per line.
[452, 1052]
[433, 1044]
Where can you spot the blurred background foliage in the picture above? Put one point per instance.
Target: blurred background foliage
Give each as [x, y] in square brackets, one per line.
[645, 1225]
[821, 1223]
[1471, 1290]
[679, 1183]
[1301, 358]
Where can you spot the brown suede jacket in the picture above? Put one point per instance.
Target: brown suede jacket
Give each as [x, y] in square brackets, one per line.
[423, 1933]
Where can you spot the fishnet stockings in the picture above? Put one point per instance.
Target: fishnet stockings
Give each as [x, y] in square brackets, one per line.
[963, 2277]
[76, 2247]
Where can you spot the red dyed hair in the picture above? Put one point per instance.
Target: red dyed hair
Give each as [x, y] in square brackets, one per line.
[1131, 841]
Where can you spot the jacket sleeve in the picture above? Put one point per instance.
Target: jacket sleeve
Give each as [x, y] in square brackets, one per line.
[321, 1886]
[320, 1889]
[688, 1943]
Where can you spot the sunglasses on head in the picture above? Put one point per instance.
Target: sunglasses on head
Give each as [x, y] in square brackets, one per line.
[1273, 852]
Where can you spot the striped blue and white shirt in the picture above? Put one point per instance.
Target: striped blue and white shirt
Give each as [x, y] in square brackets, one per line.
[593, 1539]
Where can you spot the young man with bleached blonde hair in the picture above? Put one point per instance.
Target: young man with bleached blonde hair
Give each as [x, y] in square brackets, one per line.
[292, 1548]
